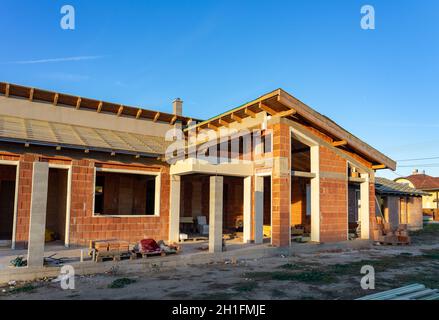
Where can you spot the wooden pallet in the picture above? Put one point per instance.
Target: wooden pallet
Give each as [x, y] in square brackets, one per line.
[148, 254]
[113, 255]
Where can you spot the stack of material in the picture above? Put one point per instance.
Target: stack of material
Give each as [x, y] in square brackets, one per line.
[411, 292]
[384, 234]
[115, 249]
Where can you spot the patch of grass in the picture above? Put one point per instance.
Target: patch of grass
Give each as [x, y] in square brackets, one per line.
[276, 293]
[215, 296]
[310, 276]
[292, 266]
[246, 286]
[120, 283]
[431, 254]
[179, 294]
[430, 279]
[429, 234]
[23, 289]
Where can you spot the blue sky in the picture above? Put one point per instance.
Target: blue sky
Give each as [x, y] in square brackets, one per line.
[381, 85]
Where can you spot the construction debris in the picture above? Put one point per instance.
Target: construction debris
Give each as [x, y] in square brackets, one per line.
[411, 292]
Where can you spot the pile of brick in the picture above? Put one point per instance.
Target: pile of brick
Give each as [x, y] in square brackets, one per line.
[385, 234]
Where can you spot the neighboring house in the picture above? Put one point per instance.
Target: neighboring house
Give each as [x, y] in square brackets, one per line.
[429, 184]
[90, 169]
[399, 203]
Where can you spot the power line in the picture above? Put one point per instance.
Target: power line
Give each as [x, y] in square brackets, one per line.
[418, 159]
[426, 165]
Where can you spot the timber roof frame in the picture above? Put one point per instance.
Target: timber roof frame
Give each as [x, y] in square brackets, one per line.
[281, 103]
[81, 103]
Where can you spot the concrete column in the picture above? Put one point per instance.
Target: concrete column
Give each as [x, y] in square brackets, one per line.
[247, 209]
[174, 208]
[315, 195]
[259, 209]
[37, 227]
[216, 214]
[365, 207]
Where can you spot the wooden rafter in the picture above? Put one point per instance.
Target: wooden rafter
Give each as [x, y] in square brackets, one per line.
[339, 143]
[211, 126]
[379, 166]
[139, 113]
[267, 109]
[189, 121]
[31, 94]
[8, 88]
[236, 118]
[55, 99]
[119, 112]
[100, 107]
[287, 113]
[250, 113]
[156, 117]
[78, 103]
[224, 123]
[173, 120]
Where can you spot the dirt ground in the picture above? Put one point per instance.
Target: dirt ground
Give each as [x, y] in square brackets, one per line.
[324, 275]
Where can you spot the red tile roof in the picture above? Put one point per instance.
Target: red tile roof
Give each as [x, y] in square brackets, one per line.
[423, 181]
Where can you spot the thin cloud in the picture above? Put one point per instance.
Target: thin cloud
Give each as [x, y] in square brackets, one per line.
[55, 60]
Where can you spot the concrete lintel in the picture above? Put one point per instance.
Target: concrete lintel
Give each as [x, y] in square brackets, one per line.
[190, 166]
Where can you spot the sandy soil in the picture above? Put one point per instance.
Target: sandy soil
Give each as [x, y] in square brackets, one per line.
[323, 275]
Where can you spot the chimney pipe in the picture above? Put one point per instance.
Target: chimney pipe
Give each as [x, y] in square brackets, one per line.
[415, 171]
[177, 105]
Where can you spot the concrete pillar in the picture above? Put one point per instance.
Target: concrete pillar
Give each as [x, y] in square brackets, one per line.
[216, 214]
[315, 194]
[259, 209]
[247, 213]
[174, 208]
[365, 207]
[37, 227]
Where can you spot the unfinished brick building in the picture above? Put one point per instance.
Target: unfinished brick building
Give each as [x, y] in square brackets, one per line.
[90, 169]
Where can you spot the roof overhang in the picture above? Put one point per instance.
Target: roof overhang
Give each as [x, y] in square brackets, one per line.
[55, 98]
[282, 104]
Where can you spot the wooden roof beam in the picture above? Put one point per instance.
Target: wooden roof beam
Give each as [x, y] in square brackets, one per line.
[379, 167]
[7, 89]
[250, 113]
[224, 123]
[173, 120]
[339, 143]
[189, 122]
[236, 118]
[100, 107]
[78, 103]
[267, 109]
[55, 99]
[211, 126]
[287, 113]
[119, 112]
[156, 117]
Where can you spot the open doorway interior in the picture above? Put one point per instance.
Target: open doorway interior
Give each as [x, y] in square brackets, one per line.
[7, 203]
[354, 205]
[300, 191]
[56, 213]
[195, 207]
[267, 209]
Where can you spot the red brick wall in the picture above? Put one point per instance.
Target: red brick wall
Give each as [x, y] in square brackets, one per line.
[85, 227]
[333, 197]
[280, 188]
